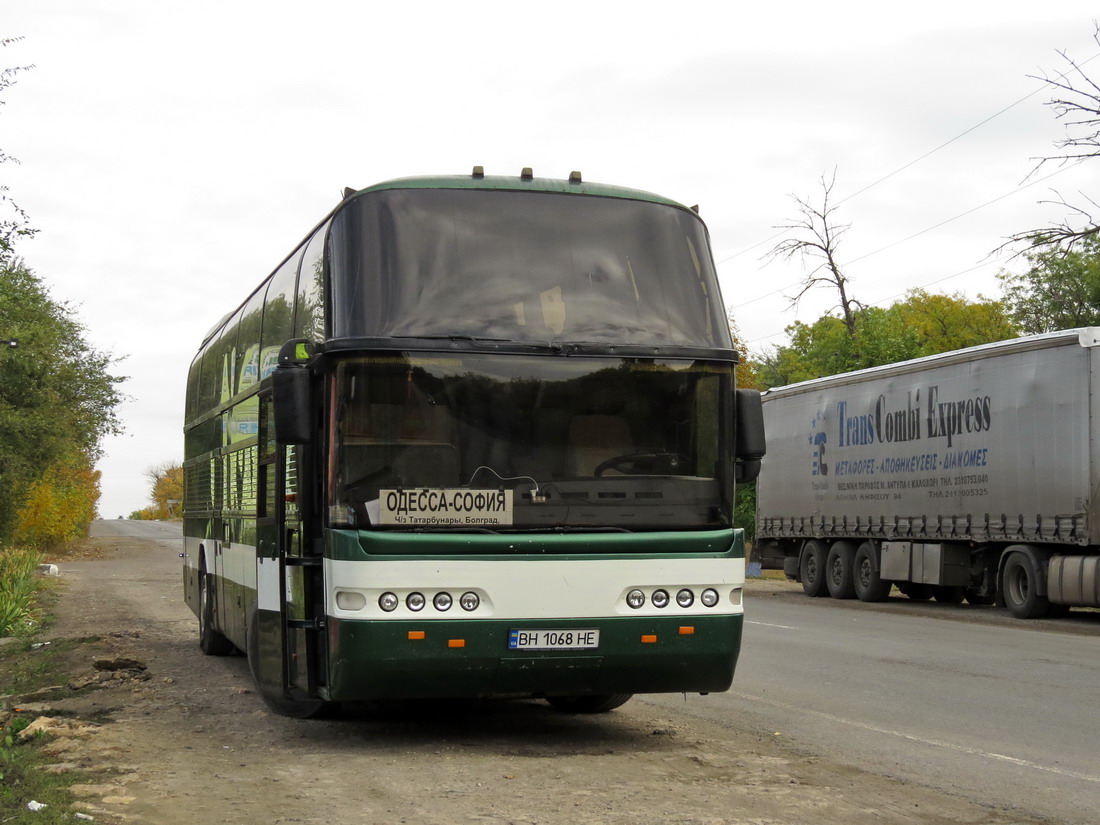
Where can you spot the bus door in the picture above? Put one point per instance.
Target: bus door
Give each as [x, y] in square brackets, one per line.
[282, 643]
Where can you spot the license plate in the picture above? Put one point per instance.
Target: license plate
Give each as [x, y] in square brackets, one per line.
[554, 639]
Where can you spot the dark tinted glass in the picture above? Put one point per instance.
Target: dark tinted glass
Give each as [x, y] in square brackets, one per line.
[523, 266]
[581, 442]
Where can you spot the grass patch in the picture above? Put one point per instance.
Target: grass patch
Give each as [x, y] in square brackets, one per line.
[28, 666]
[23, 781]
[18, 587]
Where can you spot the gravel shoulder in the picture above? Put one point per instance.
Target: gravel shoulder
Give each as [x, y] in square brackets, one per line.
[177, 737]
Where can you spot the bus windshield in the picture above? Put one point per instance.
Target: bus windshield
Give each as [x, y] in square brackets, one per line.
[563, 442]
[523, 267]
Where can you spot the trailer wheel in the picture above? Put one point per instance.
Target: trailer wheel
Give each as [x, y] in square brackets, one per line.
[869, 585]
[1019, 583]
[838, 570]
[211, 641]
[811, 568]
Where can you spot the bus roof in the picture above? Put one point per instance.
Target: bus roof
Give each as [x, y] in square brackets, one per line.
[526, 182]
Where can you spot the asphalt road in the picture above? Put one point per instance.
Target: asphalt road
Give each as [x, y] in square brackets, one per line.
[1003, 714]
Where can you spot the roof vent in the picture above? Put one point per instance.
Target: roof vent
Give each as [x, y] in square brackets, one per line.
[527, 174]
[479, 171]
[574, 177]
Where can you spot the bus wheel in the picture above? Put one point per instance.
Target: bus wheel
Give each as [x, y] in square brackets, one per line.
[280, 704]
[838, 570]
[868, 584]
[211, 640]
[811, 568]
[588, 704]
[1019, 582]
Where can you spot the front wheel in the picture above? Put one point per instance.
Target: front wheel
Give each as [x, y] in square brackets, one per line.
[1019, 583]
[277, 701]
[588, 704]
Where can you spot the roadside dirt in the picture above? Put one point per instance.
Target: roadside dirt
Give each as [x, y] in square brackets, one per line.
[177, 737]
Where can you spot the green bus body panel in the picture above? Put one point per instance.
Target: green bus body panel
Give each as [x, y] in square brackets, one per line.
[351, 545]
[374, 660]
[516, 184]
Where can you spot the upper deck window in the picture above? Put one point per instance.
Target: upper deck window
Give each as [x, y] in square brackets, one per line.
[523, 267]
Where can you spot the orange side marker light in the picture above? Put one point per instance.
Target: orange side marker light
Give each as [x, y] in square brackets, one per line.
[456, 643]
[687, 631]
[416, 635]
[649, 639]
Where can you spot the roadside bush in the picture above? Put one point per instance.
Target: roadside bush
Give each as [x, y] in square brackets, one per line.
[17, 588]
[59, 505]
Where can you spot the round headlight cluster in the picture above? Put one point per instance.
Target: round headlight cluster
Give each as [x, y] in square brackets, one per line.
[659, 598]
[442, 601]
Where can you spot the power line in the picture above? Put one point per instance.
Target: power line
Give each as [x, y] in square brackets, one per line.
[927, 154]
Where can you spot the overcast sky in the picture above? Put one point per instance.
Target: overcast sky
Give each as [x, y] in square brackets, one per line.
[173, 152]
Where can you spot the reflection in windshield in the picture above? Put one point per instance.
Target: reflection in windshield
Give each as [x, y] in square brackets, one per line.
[523, 266]
[566, 442]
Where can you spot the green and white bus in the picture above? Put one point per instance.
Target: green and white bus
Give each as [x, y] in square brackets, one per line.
[475, 436]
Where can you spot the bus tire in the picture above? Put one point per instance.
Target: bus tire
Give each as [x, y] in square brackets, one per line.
[282, 705]
[869, 585]
[588, 704]
[811, 568]
[211, 641]
[1020, 586]
[838, 570]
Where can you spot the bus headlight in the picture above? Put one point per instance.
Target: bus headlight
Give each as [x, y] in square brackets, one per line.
[685, 598]
[469, 601]
[709, 597]
[388, 602]
[660, 598]
[415, 602]
[442, 601]
[635, 598]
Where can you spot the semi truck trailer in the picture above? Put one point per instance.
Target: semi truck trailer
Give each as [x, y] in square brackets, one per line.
[972, 474]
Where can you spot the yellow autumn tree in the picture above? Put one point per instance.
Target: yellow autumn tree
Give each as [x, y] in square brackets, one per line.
[60, 504]
[166, 492]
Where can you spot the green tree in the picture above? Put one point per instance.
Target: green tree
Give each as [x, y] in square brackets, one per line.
[167, 489]
[1059, 290]
[58, 395]
[922, 324]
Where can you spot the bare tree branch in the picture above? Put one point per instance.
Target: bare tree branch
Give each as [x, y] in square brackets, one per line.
[814, 238]
[1077, 104]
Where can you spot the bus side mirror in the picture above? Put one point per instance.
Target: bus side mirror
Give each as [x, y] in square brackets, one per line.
[290, 399]
[750, 444]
